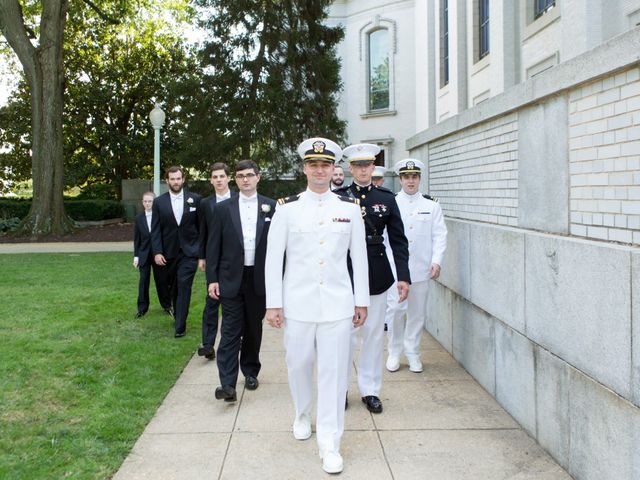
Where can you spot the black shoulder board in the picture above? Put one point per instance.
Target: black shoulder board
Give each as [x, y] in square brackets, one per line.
[429, 197]
[292, 198]
[349, 199]
[385, 189]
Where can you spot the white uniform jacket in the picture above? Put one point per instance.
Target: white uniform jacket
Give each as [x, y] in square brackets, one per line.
[315, 232]
[426, 231]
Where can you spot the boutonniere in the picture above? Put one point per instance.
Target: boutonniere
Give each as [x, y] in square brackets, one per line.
[190, 201]
[265, 208]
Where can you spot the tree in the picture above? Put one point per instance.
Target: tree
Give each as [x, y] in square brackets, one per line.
[111, 62]
[113, 77]
[272, 74]
[42, 65]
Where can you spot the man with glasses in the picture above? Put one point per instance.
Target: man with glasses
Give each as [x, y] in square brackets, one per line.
[236, 250]
[380, 212]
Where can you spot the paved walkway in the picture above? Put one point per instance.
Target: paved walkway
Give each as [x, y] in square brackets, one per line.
[437, 425]
[66, 247]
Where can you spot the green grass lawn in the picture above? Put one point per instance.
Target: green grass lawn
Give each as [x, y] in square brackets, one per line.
[80, 377]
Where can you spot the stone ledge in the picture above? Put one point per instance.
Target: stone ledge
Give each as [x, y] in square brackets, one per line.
[621, 52]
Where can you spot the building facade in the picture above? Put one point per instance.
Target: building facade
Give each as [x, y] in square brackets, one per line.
[378, 78]
[527, 115]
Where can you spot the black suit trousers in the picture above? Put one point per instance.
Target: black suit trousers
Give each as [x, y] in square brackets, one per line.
[161, 286]
[180, 273]
[210, 321]
[241, 332]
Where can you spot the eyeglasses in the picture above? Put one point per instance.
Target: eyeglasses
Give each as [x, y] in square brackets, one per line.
[246, 176]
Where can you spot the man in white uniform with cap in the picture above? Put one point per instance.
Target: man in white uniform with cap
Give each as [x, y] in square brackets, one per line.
[377, 177]
[314, 299]
[427, 234]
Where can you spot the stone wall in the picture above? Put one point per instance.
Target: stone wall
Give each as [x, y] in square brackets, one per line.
[604, 155]
[542, 304]
[475, 172]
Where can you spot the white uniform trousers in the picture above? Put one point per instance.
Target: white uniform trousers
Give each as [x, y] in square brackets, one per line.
[372, 346]
[406, 332]
[330, 340]
[394, 308]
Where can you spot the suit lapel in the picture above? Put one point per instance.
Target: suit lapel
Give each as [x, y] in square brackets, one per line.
[260, 221]
[169, 206]
[234, 211]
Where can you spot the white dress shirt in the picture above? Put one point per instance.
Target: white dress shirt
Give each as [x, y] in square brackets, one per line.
[316, 232]
[177, 205]
[148, 217]
[426, 231]
[249, 220]
[220, 198]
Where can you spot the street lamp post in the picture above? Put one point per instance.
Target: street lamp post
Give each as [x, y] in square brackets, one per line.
[157, 117]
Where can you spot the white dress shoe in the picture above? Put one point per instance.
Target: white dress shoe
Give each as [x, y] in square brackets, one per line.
[302, 427]
[331, 462]
[393, 363]
[415, 365]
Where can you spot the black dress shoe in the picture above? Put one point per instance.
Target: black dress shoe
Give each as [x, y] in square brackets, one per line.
[226, 393]
[178, 335]
[140, 314]
[374, 405]
[206, 351]
[251, 383]
[169, 311]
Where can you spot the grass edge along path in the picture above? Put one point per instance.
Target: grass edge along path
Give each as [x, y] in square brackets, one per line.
[80, 378]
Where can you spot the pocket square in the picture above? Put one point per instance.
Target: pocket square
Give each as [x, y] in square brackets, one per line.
[267, 219]
[192, 209]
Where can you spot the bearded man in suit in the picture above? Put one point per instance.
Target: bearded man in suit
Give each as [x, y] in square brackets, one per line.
[175, 242]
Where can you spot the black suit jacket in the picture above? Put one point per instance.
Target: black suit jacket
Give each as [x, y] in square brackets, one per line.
[169, 238]
[141, 240]
[206, 217]
[225, 246]
[381, 212]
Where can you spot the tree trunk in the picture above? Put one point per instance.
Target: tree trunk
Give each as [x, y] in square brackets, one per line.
[43, 67]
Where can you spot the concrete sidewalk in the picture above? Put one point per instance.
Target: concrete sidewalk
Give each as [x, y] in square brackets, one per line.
[66, 247]
[437, 425]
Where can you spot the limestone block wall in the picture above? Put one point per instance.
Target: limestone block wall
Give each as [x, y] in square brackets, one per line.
[542, 306]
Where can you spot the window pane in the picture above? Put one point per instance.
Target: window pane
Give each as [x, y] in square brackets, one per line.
[444, 43]
[541, 6]
[379, 70]
[484, 27]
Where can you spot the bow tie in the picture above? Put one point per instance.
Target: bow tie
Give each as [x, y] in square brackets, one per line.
[247, 200]
[176, 197]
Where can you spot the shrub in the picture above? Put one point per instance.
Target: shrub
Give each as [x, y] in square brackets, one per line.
[98, 191]
[93, 210]
[81, 210]
[8, 224]
[14, 207]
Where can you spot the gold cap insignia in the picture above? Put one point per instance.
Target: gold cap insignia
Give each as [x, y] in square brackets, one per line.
[319, 146]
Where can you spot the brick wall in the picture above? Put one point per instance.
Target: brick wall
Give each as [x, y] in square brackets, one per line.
[604, 156]
[474, 172]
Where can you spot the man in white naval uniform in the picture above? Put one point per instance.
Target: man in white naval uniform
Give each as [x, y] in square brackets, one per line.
[427, 234]
[314, 299]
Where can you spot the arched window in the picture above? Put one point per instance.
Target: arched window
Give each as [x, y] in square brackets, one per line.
[379, 84]
[377, 50]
